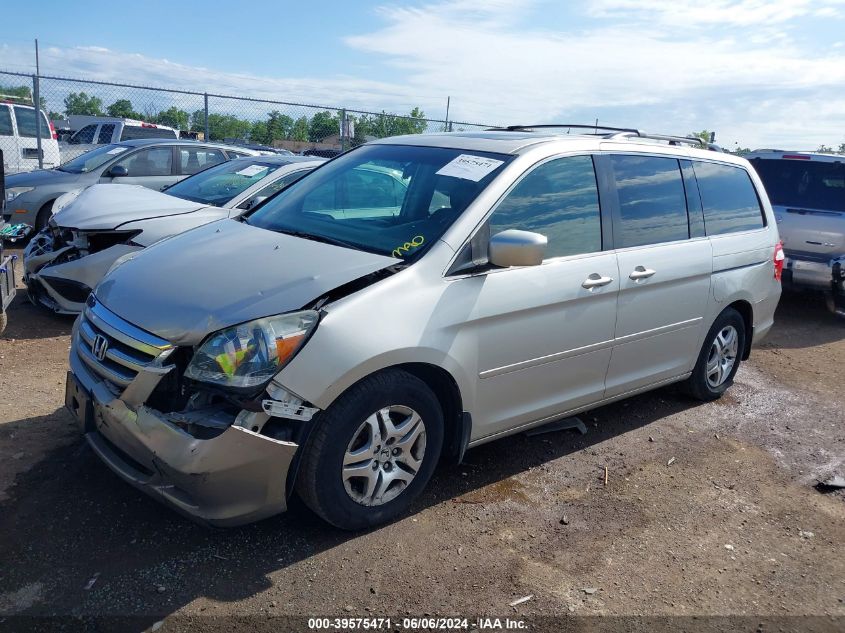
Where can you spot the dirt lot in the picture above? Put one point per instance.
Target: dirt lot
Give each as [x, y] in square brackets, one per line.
[732, 526]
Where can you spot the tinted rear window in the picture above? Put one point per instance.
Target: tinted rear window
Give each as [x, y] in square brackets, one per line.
[652, 200]
[26, 123]
[803, 184]
[5, 121]
[106, 132]
[136, 131]
[729, 199]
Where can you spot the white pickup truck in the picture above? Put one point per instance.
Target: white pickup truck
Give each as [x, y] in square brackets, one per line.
[93, 131]
[807, 191]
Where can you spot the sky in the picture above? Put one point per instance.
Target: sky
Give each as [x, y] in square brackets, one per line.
[758, 73]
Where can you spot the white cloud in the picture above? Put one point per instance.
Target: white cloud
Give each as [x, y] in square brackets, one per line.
[659, 77]
[722, 13]
[735, 66]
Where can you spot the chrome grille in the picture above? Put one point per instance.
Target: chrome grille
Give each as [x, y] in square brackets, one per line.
[123, 349]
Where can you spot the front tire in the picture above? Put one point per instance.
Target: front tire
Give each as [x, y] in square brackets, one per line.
[44, 215]
[719, 358]
[373, 451]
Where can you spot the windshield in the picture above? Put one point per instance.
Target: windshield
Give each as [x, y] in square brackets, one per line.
[394, 200]
[89, 161]
[219, 184]
[803, 184]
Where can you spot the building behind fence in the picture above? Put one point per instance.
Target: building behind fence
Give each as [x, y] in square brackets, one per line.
[216, 117]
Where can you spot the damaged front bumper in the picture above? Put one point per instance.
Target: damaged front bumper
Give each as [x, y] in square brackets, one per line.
[59, 275]
[235, 477]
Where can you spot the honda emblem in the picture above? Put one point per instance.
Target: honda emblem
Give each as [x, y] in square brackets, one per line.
[100, 347]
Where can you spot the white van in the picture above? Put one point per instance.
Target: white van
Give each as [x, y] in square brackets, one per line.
[19, 143]
[346, 333]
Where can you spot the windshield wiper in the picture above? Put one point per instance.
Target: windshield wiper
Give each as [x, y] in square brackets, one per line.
[319, 238]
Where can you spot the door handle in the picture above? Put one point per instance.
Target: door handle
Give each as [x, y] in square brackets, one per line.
[595, 281]
[641, 272]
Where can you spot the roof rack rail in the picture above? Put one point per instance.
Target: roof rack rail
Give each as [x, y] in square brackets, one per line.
[672, 140]
[610, 132]
[580, 126]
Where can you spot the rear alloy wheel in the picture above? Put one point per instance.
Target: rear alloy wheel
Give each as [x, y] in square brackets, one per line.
[372, 451]
[719, 358]
[722, 357]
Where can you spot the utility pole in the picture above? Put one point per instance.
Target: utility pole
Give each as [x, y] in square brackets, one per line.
[446, 127]
[36, 101]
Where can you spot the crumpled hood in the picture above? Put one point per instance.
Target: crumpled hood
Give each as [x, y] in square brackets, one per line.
[108, 206]
[225, 273]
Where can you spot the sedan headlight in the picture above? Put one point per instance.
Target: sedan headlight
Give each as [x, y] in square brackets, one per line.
[65, 199]
[250, 354]
[15, 192]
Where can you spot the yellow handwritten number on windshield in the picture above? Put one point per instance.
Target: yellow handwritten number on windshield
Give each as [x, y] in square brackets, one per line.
[416, 241]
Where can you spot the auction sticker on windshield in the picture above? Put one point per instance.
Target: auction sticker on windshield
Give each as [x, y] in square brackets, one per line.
[469, 167]
[252, 170]
[117, 150]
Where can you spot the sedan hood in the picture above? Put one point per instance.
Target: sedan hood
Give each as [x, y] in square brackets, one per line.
[225, 273]
[108, 206]
[39, 178]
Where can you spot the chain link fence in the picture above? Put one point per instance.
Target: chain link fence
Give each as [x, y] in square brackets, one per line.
[240, 120]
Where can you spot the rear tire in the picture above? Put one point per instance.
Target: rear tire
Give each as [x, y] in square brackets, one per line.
[372, 452]
[719, 358]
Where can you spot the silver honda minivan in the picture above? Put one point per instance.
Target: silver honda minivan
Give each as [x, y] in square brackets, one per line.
[414, 298]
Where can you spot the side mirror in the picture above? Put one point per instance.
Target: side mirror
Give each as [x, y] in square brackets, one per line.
[517, 248]
[118, 171]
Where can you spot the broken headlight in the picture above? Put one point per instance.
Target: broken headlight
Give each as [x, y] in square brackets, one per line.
[248, 355]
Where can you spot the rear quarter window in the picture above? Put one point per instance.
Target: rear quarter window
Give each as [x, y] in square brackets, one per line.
[26, 123]
[5, 121]
[729, 199]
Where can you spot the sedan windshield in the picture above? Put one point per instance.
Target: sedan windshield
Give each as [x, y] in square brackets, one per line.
[221, 183]
[395, 200]
[89, 161]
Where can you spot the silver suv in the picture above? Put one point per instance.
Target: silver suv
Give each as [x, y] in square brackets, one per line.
[413, 298]
[807, 191]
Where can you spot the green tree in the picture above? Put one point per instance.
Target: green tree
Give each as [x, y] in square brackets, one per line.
[223, 126]
[24, 93]
[279, 126]
[825, 149]
[198, 120]
[323, 124]
[704, 135]
[81, 103]
[122, 108]
[174, 117]
[258, 132]
[300, 129]
[382, 125]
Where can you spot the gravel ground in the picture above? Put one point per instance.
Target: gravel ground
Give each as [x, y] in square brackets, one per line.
[709, 510]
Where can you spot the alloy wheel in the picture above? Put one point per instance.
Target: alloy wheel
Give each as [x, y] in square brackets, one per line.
[722, 357]
[384, 455]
